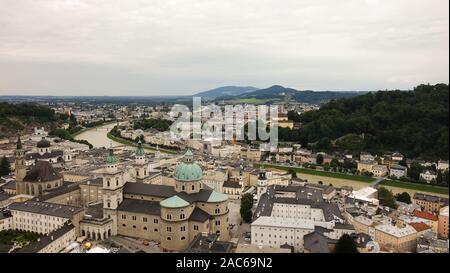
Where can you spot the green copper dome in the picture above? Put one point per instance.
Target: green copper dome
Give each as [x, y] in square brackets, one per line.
[174, 202]
[111, 158]
[188, 172]
[140, 149]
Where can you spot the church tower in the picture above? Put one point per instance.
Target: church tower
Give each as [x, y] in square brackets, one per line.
[113, 182]
[20, 167]
[141, 168]
[262, 183]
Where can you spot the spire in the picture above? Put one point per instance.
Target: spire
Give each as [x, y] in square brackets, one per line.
[19, 144]
[111, 158]
[140, 149]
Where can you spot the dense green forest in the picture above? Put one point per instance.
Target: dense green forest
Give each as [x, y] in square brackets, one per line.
[158, 124]
[25, 116]
[415, 123]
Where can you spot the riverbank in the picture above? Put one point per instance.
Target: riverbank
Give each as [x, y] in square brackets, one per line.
[344, 176]
[91, 128]
[131, 143]
[358, 182]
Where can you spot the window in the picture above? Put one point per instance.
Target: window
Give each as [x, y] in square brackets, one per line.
[144, 219]
[182, 188]
[193, 187]
[155, 221]
[134, 218]
[182, 216]
[169, 239]
[195, 227]
[169, 229]
[217, 211]
[134, 226]
[124, 216]
[183, 228]
[107, 183]
[145, 228]
[169, 217]
[183, 238]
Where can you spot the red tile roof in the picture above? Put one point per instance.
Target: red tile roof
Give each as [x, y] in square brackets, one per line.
[419, 227]
[426, 215]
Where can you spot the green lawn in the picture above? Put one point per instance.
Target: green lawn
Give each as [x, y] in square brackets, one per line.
[416, 186]
[364, 179]
[9, 237]
[131, 143]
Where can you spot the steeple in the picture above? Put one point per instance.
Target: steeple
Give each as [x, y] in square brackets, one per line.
[140, 150]
[19, 144]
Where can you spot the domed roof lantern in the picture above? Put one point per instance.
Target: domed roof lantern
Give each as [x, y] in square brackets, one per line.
[19, 144]
[43, 143]
[111, 159]
[140, 151]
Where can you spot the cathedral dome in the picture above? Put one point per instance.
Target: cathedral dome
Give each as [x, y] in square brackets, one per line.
[43, 143]
[188, 171]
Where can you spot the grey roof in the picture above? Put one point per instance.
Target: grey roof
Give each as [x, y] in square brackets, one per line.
[4, 196]
[316, 243]
[344, 226]
[94, 181]
[65, 188]
[202, 196]
[303, 196]
[231, 184]
[149, 190]
[208, 244]
[46, 240]
[51, 209]
[199, 215]
[427, 197]
[11, 185]
[42, 172]
[52, 154]
[140, 206]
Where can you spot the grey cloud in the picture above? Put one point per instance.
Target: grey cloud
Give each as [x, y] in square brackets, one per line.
[179, 47]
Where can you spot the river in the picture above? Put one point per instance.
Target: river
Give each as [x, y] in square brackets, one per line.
[98, 136]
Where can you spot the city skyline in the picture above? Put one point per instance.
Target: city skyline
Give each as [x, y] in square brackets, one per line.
[81, 48]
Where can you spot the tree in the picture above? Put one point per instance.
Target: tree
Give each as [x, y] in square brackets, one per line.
[293, 173]
[319, 159]
[246, 207]
[346, 244]
[386, 198]
[403, 197]
[5, 167]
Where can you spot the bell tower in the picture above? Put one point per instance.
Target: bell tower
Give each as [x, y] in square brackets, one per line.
[113, 182]
[262, 183]
[141, 167]
[20, 167]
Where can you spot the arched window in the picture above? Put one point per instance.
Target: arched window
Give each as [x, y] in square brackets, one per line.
[169, 239]
[107, 183]
[182, 188]
[183, 238]
[193, 187]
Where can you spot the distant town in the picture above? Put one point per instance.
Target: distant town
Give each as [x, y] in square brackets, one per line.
[86, 176]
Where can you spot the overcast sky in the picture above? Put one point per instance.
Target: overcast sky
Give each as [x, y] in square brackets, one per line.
[178, 47]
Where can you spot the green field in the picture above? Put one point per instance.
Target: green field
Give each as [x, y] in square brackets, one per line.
[416, 186]
[131, 143]
[364, 179]
[9, 237]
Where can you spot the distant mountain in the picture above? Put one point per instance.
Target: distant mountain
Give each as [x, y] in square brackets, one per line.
[281, 93]
[226, 91]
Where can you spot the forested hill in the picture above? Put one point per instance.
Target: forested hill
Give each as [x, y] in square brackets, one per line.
[415, 123]
[24, 117]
